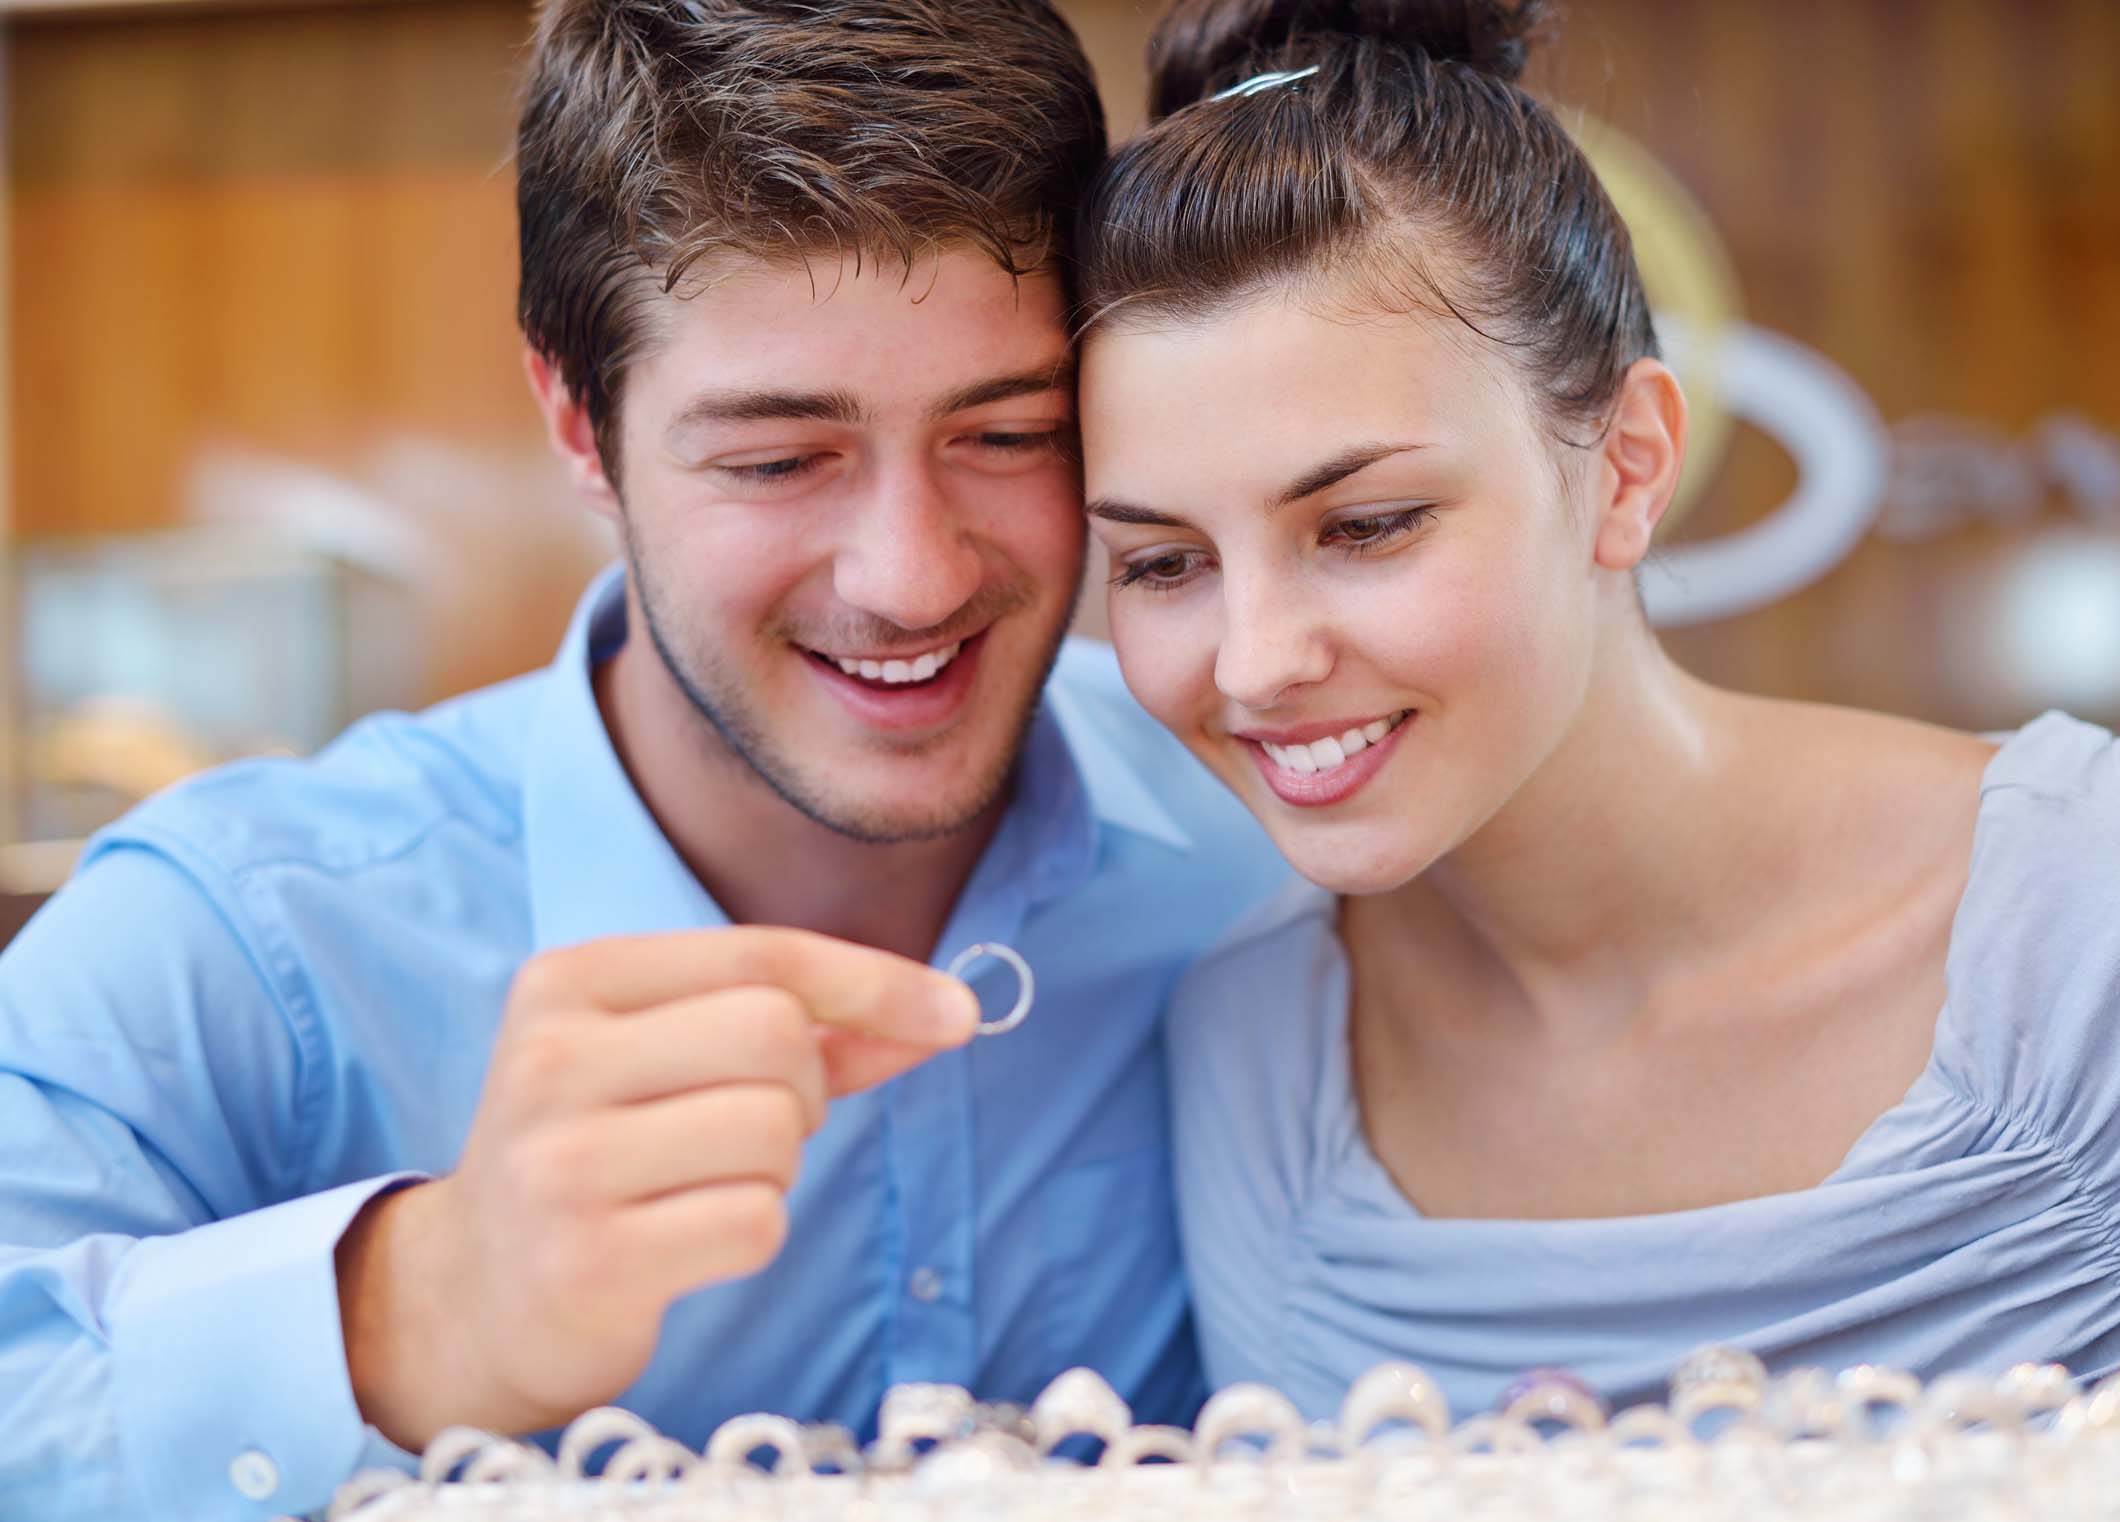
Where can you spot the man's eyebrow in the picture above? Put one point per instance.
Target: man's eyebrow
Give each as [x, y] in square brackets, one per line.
[1059, 376]
[1125, 512]
[759, 406]
[1337, 469]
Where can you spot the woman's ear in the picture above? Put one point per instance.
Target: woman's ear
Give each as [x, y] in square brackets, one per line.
[1641, 453]
[570, 433]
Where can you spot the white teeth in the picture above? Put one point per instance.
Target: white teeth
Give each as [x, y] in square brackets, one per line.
[1323, 755]
[899, 672]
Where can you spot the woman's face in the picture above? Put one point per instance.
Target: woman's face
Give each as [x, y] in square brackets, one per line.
[1347, 572]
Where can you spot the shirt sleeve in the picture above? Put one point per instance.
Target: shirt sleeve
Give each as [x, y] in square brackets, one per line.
[170, 1341]
[1243, 1063]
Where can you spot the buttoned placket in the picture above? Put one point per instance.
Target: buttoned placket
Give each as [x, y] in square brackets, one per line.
[931, 1114]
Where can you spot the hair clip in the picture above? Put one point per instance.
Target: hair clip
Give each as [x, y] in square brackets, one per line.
[1010, 955]
[1258, 82]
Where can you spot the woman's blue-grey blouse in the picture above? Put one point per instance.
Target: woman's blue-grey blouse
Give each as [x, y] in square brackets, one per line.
[1974, 1225]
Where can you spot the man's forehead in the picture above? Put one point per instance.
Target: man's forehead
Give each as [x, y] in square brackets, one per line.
[852, 342]
[842, 404]
[825, 284]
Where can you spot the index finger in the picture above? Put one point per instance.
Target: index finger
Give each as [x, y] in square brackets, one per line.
[841, 984]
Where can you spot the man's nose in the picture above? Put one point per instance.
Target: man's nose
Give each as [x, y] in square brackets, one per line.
[908, 558]
[1274, 640]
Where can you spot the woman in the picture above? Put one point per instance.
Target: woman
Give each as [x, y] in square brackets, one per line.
[1611, 1025]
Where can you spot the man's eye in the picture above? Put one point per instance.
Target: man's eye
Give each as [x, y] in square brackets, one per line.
[1041, 439]
[775, 470]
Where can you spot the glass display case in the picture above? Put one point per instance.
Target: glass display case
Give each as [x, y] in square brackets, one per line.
[144, 658]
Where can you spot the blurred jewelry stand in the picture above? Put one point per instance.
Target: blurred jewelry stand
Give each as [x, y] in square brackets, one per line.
[147, 657]
[292, 600]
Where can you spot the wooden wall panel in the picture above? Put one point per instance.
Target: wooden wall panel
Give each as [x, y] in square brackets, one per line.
[291, 229]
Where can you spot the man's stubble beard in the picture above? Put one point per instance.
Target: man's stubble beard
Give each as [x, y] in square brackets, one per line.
[746, 739]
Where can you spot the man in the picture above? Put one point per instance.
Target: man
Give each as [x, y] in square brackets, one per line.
[450, 1076]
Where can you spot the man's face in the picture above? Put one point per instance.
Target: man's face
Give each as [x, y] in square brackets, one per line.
[853, 519]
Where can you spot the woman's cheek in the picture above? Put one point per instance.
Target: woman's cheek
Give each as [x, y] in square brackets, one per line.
[1152, 657]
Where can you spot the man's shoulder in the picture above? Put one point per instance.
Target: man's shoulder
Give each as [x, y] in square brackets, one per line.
[372, 794]
[1090, 693]
[1107, 727]
[1112, 735]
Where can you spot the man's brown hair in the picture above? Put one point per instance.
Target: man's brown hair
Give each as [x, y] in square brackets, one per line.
[657, 133]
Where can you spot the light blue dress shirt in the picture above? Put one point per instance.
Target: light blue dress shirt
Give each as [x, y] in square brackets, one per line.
[272, 990]
[1975, 1225]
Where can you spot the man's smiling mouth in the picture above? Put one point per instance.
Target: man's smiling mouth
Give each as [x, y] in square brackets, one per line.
[893, 671]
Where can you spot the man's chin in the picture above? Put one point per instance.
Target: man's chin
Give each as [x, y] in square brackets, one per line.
[896, 821]
[887, 792]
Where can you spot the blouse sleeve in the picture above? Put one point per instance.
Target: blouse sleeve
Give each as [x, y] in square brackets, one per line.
[2034, 1026]
[1244, 1050]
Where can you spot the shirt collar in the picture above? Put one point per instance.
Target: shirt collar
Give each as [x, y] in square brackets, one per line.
[1119, 794]
[599, 864]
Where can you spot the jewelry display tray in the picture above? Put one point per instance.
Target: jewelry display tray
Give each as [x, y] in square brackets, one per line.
[1730, 1445]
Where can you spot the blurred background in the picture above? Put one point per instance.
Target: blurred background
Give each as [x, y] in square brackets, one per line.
[267, 461]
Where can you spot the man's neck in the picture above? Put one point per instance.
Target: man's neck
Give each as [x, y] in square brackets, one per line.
[763, 860]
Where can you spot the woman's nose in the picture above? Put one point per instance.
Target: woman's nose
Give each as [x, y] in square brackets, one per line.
[1273, 642]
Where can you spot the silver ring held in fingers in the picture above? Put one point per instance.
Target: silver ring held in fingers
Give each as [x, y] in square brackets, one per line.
[1008, 954]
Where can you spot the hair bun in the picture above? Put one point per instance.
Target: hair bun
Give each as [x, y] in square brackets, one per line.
[1200, 46]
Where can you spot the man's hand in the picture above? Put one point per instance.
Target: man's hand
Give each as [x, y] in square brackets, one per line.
[642, 1121]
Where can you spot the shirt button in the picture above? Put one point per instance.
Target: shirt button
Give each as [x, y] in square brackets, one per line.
[254, 1475]
[925, 1285]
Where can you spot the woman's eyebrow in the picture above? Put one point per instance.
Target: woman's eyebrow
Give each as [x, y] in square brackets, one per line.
[1328, 473]
[1337, 469]
[1113, 511]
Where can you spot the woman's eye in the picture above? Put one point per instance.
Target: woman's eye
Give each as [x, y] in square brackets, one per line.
[1359, 534]
[1157, 572]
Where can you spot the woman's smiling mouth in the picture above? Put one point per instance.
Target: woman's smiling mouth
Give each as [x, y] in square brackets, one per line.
[1322, 764]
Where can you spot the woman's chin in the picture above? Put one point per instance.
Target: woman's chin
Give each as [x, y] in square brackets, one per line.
[1352, 874]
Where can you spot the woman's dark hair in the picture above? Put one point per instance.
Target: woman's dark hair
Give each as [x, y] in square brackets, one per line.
[1405, 159]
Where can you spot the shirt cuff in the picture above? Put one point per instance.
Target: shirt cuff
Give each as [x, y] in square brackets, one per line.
[232, 1394]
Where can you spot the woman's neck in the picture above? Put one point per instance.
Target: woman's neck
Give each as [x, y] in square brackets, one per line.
[1621, 859]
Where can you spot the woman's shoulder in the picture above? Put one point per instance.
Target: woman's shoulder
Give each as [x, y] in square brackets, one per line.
[2033, 1022]
[2064, 760]
[2046, 847]
[1255, 1032]
[1280, 952]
